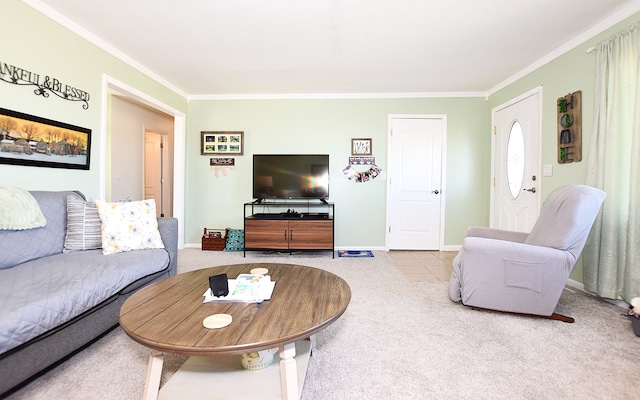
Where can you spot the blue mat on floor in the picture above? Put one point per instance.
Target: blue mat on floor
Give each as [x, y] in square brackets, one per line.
[355, 253]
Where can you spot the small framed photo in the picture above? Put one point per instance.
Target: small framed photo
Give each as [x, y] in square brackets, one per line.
[361, 147]
[214, 233]
[227, 143]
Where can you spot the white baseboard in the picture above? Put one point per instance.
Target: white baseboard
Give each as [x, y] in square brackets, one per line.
[377, 248]
[577, 285]
[580, 286]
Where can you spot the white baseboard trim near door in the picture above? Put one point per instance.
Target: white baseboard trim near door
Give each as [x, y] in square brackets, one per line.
[580, 286]
[576, 285]
[376, 248]
[360, 248]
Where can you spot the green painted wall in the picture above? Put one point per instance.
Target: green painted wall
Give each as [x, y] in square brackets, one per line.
[34, 42]
[40, 45]
[574, 70]
[327, 126]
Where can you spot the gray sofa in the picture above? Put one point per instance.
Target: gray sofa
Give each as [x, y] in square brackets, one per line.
[54, 303]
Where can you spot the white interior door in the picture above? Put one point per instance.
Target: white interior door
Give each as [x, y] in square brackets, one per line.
[516, 163]
[414, 185]
[157, 175]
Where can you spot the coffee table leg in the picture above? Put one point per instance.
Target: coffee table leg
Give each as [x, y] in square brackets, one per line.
[154, 373]
[312, 339]
[288, 372]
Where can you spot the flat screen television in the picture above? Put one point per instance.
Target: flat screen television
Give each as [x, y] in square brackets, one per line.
[290, 176]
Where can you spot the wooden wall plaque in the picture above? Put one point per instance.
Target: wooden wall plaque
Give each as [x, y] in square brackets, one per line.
[570, 128]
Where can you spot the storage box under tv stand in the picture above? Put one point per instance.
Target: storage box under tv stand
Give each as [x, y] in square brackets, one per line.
[289, 225]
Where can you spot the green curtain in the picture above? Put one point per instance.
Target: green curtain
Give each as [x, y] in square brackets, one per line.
[611, 257]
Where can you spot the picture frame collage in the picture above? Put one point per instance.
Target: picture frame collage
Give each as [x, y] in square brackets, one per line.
[221, 143]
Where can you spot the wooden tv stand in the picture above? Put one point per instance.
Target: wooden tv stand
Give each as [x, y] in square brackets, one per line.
[289, 226]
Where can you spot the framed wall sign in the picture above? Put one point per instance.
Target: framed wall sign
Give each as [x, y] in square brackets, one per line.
[361, 147]
[33, 141]
[228, 143]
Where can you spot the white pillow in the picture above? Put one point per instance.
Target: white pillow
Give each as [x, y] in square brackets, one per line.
[19, 210]
[128, 226]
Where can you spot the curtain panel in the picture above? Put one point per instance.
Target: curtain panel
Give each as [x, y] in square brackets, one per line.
[611, 257]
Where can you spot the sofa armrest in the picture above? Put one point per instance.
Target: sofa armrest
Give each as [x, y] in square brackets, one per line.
[491, 233]
[168, 228]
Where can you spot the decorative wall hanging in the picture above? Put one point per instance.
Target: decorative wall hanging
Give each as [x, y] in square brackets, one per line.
[222, 166]
[39, 142]
[223, 143]
[570, 128]
[364, 176]
[362, 160]
[44, 84]
[361, 147]
[225, 162]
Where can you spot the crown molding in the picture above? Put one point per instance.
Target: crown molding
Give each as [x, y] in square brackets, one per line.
[334, 96]
[590, 33]
[102, 44]
[625, 12]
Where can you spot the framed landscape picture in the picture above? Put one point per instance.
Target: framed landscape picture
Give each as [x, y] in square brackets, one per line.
[228, 143]
[39, 142]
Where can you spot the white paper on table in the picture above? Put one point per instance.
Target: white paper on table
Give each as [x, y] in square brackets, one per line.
[264, 290]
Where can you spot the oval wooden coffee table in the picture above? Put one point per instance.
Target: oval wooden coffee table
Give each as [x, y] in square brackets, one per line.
[167, 317]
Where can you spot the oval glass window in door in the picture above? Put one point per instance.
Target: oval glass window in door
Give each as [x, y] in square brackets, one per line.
[515, 159]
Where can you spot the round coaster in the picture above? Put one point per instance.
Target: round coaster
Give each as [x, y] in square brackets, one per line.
[259, 271]
[217, 321]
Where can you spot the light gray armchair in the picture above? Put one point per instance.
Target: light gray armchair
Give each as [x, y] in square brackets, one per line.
[526, 273]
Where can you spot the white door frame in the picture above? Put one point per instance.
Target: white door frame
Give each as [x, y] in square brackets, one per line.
[532, 92]
[443, 169]
[179, 136]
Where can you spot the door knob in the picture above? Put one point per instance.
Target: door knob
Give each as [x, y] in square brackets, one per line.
[532, 190]
[435, 191]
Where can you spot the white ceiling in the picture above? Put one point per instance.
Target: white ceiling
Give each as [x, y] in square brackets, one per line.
[227, 48]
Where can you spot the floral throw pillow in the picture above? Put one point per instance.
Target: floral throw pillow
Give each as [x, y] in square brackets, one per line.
[128, 226]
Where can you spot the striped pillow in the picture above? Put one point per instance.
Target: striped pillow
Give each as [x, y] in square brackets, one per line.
[84, 227]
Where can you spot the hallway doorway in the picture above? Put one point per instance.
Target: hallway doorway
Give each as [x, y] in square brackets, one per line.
[141, 156]
[113, 153]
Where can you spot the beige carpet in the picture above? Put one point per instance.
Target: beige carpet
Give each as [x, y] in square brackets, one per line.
[403, 340]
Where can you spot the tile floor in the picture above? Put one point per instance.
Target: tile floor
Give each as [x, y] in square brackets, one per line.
[424, 266]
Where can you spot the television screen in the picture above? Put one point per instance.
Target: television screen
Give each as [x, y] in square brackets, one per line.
[291, 176]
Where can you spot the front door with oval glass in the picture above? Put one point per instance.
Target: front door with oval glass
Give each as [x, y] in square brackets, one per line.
[516, 164]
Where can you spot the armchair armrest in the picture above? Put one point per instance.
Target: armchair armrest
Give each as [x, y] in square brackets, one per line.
[491, 233]
[168, 228]
[485, 253]
[509, 276]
